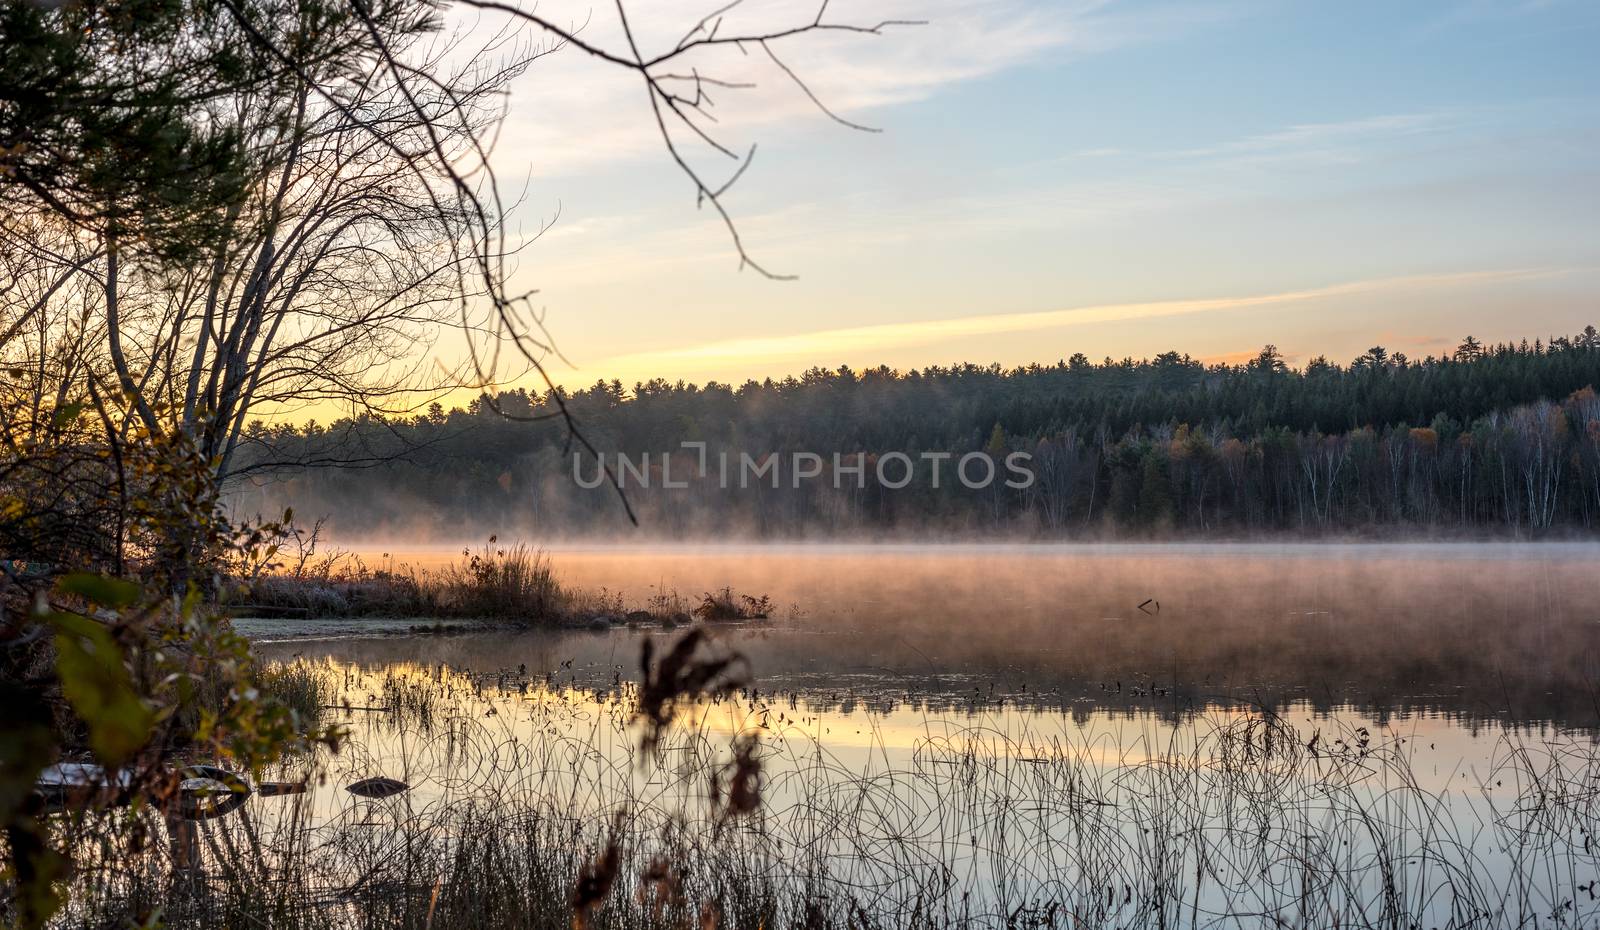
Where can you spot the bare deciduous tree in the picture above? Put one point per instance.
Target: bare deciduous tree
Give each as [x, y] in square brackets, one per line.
[365, 218]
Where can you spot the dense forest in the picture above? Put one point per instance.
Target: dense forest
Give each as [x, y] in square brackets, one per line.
[1490, 440]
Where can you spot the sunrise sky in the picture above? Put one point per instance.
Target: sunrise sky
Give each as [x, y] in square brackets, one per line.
[1056, 177]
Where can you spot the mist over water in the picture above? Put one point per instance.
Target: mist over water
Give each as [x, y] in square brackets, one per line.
[1030, 724]
[1477, 631]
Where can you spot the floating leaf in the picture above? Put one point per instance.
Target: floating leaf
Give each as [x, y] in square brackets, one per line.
[377, 787]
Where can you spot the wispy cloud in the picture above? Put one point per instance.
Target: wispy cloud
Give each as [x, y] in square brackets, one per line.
[1137, 185]
[1335, 141]
[571, 114]
[860, 343]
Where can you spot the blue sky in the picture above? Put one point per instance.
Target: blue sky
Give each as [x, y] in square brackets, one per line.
[1054, 177]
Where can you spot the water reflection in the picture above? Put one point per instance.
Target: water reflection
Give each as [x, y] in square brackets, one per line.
[979, 811]
[1478, 633]
[1023, 736]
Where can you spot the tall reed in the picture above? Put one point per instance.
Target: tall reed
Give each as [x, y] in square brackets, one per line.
[1230, 817]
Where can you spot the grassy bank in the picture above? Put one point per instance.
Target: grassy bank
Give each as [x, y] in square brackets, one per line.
[513, 583]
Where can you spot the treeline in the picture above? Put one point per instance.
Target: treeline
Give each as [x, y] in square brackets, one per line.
[1501, 440]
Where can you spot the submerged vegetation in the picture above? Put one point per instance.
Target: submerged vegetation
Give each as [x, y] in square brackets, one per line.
[529, 797]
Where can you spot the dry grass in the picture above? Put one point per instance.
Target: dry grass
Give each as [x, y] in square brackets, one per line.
[1235, 818]
[513, 583]
[724, 605]
[503, 582]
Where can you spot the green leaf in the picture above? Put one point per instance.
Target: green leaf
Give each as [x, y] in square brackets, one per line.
[66, 414]
[107, 592]
[97, 685]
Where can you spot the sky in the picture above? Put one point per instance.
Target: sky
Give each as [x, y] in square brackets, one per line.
[1052, 177]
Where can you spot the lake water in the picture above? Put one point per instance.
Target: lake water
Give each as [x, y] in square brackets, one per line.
[1043, 735]
[1468, 632]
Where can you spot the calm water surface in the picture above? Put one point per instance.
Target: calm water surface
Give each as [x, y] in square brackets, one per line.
[1024, 722]
[1472, 633]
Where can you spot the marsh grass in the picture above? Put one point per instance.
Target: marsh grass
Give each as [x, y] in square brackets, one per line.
[724, 605]
[503, 581]
[1230, 817]
[300, 687]
[508, 582]
[513, 582]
